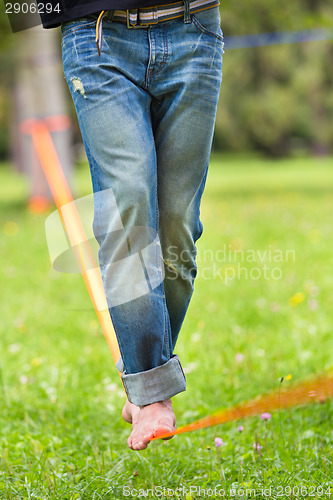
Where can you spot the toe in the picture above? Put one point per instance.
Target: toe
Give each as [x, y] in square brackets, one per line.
[130, 442]
[140, 443]
[141, 446]
[148, 437]
[161, 430]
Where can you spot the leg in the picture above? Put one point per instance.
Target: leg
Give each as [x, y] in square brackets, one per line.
[183, 123]
[183, 116]
[114, 114]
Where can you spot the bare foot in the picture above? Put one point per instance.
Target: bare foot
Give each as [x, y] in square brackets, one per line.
[148, 422]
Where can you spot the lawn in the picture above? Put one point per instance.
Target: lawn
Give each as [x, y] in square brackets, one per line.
[262, 310]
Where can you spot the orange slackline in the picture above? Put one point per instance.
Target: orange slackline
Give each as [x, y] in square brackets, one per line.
[42, 141]
[314, 390]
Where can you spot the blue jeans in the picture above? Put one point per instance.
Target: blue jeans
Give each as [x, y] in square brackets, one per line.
[146, 109]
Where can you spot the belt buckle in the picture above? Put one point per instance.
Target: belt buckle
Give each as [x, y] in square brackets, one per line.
[134, 26]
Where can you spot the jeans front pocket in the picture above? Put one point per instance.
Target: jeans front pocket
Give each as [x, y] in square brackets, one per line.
[209, 22]
[79, 24]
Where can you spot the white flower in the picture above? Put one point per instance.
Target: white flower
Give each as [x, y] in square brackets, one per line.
[14, 348]
[23, 379]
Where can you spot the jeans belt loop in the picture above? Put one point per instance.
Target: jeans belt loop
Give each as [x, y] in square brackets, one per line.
[187, 16]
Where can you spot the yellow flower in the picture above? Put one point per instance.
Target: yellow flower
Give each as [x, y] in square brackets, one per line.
[10, 228]
[296, 299]
[289, 377]
[36, 362]
[236, 244]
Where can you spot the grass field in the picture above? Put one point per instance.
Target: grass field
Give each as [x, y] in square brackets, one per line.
[262, 310]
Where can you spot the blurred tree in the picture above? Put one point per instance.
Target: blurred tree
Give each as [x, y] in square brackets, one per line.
[276, 99]
[40, 95]
[7, 65]
[32, 87]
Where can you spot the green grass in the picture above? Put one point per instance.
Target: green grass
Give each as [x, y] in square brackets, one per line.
[61, 435]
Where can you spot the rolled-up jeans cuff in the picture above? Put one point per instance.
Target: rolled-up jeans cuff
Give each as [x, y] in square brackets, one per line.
[157, 384]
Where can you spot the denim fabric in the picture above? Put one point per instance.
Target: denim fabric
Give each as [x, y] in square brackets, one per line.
[146, 109]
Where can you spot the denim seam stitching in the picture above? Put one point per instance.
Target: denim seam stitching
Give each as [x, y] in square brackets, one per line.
[147, 79]
[166, 332]
[165, 55]
[93, 167]
[153, 73]
[77, 28]
[205, 30]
